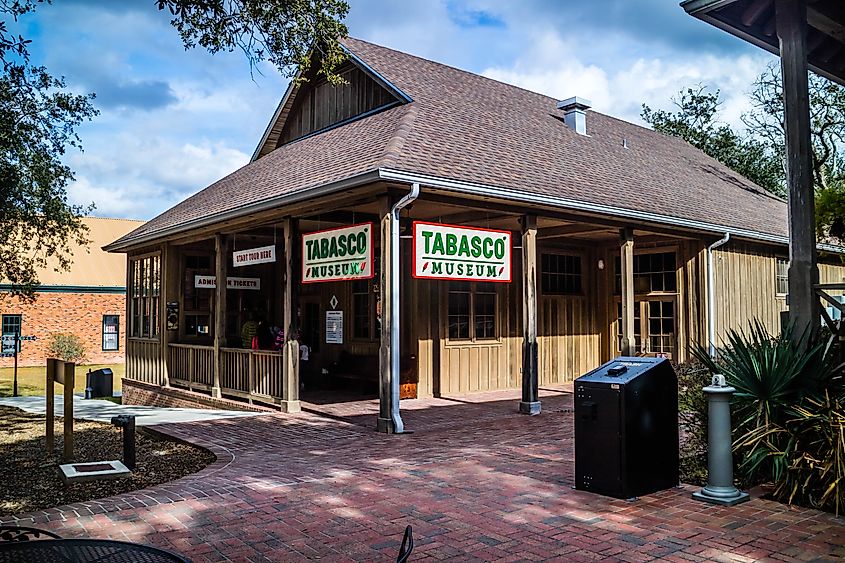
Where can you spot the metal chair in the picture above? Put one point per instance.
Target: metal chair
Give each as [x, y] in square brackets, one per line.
[407, 545]
[22, 533]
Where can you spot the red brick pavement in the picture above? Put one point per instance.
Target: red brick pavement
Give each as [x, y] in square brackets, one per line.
[476, 481]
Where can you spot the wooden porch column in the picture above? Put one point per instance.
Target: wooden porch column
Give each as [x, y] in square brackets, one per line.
[220, 268]
[169, 292]
[530, 403]
[290, 385]
[628, 344]
[791, 18]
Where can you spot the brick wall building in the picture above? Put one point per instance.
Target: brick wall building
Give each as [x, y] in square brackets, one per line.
[88, 301]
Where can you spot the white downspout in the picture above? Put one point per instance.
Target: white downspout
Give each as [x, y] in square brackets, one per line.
[711, 294]
[398, 425]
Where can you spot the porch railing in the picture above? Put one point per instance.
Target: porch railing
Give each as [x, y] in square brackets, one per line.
[823, 291]
[245, 374]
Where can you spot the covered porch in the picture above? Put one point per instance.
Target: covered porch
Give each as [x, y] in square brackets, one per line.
[582, 289]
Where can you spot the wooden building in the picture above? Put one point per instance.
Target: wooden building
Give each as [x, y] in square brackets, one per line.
[438, 233]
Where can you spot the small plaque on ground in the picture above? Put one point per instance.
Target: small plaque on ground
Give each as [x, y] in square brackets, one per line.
[92, 471]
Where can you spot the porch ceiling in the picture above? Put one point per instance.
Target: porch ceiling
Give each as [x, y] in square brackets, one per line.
[754, 21]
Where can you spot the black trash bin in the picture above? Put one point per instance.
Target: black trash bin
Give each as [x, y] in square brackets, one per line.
[101, 382]
[626, 428]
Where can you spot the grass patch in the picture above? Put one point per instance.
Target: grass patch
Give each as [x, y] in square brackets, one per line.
[32, 380]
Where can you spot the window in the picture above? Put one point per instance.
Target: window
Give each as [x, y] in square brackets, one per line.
[111, 333]
[472, 311]
[11, 324]
[653, 273]
[560, 274]
[782, 276]
[638, 333]
[197, 301]
[362, 309]
[145, 286]
[657, 335]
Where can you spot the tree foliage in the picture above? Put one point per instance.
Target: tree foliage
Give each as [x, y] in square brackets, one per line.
[37, 122]
[39, 117]
[283, 32]
[696, 122]
[827, 134]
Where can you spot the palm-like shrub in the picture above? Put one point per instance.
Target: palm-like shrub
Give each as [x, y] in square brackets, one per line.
[788, 413]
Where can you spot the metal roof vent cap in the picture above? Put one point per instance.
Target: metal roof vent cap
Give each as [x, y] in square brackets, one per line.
[575, 113]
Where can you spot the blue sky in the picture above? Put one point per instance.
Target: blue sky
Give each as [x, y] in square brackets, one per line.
[173, 121]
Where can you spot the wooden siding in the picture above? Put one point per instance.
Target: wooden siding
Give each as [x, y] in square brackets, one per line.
[323, 105]
[745, 284]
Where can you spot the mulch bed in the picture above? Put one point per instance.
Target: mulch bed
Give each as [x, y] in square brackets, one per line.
[30, 480]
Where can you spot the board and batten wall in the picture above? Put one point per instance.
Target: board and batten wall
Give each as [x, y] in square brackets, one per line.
[746, 286]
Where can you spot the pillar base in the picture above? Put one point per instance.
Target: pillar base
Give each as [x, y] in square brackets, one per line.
[529, 407]
[722, 496]
[215, 392]
[290, 406]
[385, 426]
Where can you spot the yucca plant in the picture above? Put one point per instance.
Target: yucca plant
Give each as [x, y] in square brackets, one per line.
[772, 375]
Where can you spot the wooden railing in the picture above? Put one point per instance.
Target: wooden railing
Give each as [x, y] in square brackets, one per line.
[192, 366]
[823, 291]
[144, 360]
[252, 374]
[244, 374]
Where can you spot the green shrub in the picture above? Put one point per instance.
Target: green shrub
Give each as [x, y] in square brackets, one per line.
[692, 419]
[66, 346]
[788, 413]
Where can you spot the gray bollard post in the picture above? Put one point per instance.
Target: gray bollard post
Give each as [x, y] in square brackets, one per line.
[720, 466]
[127, 423]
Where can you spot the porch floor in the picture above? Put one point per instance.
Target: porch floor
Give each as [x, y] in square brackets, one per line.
[477, 481]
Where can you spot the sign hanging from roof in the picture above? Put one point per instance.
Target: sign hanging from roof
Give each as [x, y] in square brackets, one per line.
[251, 256]
[210, 282]
[449, 252]
[338, 254]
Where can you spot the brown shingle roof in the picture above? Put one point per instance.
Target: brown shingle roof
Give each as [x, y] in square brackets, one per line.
[466, 127]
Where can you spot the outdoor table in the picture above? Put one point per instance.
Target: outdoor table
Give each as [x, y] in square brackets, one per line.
[84, 551]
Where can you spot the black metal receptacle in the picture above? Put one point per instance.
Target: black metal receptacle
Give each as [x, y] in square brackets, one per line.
[626, 428]
[101, 382]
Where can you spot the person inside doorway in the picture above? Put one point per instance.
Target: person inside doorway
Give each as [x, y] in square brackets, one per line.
[249, 330]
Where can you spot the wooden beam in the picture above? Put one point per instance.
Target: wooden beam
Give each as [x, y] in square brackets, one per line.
[386, 351]
[569, 230]
[754, 11]
[221, 261]
[474, 217]
[826, 24]
[628, 345]
[530, 403]
[803, 270]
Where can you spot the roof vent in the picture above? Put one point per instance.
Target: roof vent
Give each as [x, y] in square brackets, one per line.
[575, 113]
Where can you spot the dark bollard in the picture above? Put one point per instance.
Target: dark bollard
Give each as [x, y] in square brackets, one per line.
[127, 423]
[720, 469]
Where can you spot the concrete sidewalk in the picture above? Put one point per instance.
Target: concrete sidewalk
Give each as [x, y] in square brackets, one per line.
[102, 411]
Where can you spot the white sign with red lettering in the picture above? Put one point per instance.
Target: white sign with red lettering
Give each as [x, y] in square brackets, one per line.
[210, 282]
[251, 256]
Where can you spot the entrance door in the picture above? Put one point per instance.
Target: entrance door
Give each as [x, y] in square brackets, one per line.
[654, 327]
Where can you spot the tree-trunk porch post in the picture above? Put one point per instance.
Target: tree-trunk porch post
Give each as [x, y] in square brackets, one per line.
[791, 16]
[530, 403]
[220, 267]
[290, 383]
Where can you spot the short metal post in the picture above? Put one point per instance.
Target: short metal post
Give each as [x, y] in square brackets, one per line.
[720, 469]
[127, 424]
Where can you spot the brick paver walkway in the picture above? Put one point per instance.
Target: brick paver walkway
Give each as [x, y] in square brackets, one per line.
[476, 481]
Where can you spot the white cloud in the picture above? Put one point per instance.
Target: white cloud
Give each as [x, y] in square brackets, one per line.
[551, 66]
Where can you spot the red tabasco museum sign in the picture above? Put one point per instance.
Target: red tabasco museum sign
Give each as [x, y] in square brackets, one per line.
[449, 252]
[338, 254]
